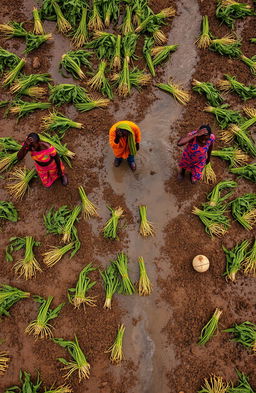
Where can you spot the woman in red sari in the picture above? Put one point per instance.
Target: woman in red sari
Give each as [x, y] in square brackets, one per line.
[46, 159]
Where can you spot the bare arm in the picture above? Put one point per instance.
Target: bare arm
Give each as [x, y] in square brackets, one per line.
[184, 140]
[23, 151]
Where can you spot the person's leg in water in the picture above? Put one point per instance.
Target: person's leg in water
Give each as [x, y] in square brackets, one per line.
[131, 162]
[117, 161]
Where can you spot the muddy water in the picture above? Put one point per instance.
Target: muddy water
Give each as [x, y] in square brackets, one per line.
[145, 343]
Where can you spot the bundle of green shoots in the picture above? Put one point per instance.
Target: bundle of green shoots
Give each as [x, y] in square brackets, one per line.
[244, 210]
[121, 263]
[176, 91]
[209, 329]
[204, 39]
[214, 219]
[61, 148]
[55, 219]
[57, 122]
[235, 156]
[40, 327]
[235, 259]
[69, 227]
[245, 334]
[24, 83]
[141, 11]
[116, 349]
[226, 46]
[23, 108]
[96, 103]
[250, 62]
[146, 227]
[4, 360]
[249, 264]
[88, 208]
[63, 24]
[232, 84]
[127, 26]
[229, 10]
[111, 226]
[161, 53]
[9, 296]
[60, 389]
[116, 58]
[153, 21]
[241, 137]
[111, 284]
[56, 253]
[7, 60]
[38, 26]
[3, 103]
[65, 93]
[212, 94]
[95, 19]
[28, 386]
[144, 284]
[147, 48]
[47, 11]
[110, 11]
[73, 10]
[138, 78]
[79, 362]
[248, 172]
[20, 179]
[27, 266]
[12, 75]
[243, 384]
[99, 81]
[8, 211]
[208, 175]
[215, 198]
[73, 60]
[223, 115]
[33, 41]
[81, 35]
[13, 29]
[78, 295]
[214, 385]
[104, 44]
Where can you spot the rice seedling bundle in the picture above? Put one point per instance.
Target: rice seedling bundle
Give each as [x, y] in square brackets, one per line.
[243, 384]
[33, 41]
[243, 210]
[214, 219]
[232, 84]
[81, 35]
[27, 385]
[12, 75]
[88, 208]
[226, 46]
[147, 48]
[73, 10]
[111, 284]
[3, 103]
[153, 22]
[230, 10]
[8, 144]
[138, 78]
[87, 106]
[8, 211]
[210, 328]
[68, 228]
[212, 94]
[99, 81]
[247, 171]
[58, 123]
[127, 26]
[26, 81]
[47, 11]
[146, 227]
[235, 259]
[208, 175]
[95, 18]
[249, 264]
[61, 148]
[7, 60]
[215, 198]
[235, 156]
[55, 254]
[129, 43]
[141, 11]
[9, 296]
[20, 179]
[28, 265]
[214, 385]
[224, 116]
[182, 96]
[104, 44]
[116, 349]
[245, 334]
[73, 60]
[65, 93]
[238, 133]
[116, 59]
[78, 295]
[63, 25]
[4, 360]
[121, 263]
[38, 26]
[144, 284]
[111, 226]
[204, 39]
[250, 62]
[55, 219]
[13, 29]
[60, 389]
[40, 327]
[110, 11]
[79, 362]
[162, 53]
[22, 108]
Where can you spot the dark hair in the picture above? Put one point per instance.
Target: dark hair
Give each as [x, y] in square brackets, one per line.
[34, 136]
[207, 127]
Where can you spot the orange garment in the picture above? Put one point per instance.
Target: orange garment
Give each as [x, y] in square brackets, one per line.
[121, 149]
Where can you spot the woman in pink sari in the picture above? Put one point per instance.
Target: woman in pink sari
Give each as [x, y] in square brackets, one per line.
[46, 159]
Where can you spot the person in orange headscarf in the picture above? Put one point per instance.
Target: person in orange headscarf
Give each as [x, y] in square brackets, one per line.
[124, 138]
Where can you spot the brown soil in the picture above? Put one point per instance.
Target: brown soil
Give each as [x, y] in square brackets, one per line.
[187, 298]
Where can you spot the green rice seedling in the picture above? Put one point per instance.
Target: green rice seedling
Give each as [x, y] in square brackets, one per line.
[141, 11]
[154, 20]
[99, 81]
[73, 10]
[214, 385]
[243, 384]
[7, 160]
[8, 144]
[116, 61]
[235, 259]
[215, 198]
[3, 103]
[56, 253]
[26, 81]
[110, 11]
[27, 266]
[13, 29]
[47, 11]
[249, 264]
[20, 179]
[33, 41]
[116, 349]
[224, 116]
[12, 75]
[127, 26]
[182, 96]
[129, 43]
[35, 92]
[244, 210]
[230, 10]
[235, 156]
[209, 329]
[111, 284]
[159, 37]
[212, 94]
[146, 227]
[226, 46]
[123, 80]
[27, 384]
[111, 226]
[73, 60]
[247, 171]
[23, 108]
[241, 137]
[4, 360]
[208, 175]
[60, 389]
[55, 219]
[81, 35]
[63, 25]
[38, 26]
[144, 284]
[88, 208]
[162, 53]
[250, 62]
[138, 78]
[121, 263]
[104, 43]
[57, 122]
[95, 19]
[68, 227]
[9, 296]
[40, 327]
[65, 93]
[7, 60]
[78, 295]
[79, 362]
[214, 219]
[61, 148]
[204, 39]
[232, 84]
[147, 48]
[8, 211]
[87, 106]
[245, 334]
